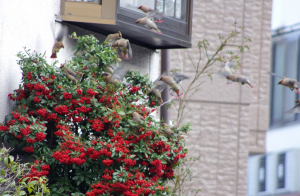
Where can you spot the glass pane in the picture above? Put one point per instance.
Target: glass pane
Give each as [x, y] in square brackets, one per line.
[134, 4]
[178, 9]
[277, 96]
[160, 5]
[94, 1]
[74, 0]
[169, 7]
[290, 67]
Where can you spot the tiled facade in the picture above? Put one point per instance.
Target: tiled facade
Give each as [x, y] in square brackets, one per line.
[229, 121]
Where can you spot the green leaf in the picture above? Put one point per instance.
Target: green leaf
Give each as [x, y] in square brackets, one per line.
[2, 172]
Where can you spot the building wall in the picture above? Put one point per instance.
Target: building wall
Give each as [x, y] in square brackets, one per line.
[229, 121]
[32, 24]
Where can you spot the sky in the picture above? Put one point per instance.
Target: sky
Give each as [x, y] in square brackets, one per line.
[285, 13]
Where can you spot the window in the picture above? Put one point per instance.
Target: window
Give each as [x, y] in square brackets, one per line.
[281, 171]
[91, 1]
[171, 8]
[285, 62]
[262, 175]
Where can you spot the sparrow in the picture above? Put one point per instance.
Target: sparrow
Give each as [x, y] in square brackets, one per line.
[227, 70]
[167, 130]
[124, 46]
[172, 82]
[293, 84]
[58, 44]
[156, 91]
[153, 14]
[69, 73]
[112, 38]
[147, 22]
[117, 76]
[137, 118]
[238, 78]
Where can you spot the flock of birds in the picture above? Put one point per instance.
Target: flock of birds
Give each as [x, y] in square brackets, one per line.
[123, 49]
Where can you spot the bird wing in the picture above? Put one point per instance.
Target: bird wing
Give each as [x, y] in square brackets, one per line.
[62, 33]
[71, 72]
[178, 77]
[150, 24]
[295, 109]
[229, 66]
[157, 15]
[294, 82]
[229, 82]
[223, 71]
[273, 74]
[129, 51]
[157, 81]
[120, 73]
[160, 85]
[226, 69]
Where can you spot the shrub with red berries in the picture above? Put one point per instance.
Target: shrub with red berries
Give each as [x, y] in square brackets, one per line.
[83, 131]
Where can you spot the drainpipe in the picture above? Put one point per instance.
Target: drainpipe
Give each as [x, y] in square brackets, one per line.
[165, 67]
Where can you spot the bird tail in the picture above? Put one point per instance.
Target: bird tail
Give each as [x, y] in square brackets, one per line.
[296, 90]
[176, 94]
[124, 56]
[250, 85]
[156, 31]
[53, 56]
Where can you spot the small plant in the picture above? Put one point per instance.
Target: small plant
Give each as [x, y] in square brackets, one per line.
[182, 183]
[16, 178]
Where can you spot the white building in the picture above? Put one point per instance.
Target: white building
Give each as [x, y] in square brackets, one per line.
[278, 171]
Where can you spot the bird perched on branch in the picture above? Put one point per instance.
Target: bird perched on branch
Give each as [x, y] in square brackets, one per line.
[293, 84]
[156, 91]
[112, 38]
[147, 22]
[172, 82]
[167, 129]
[226, 70]
[124, 46]
[109, 69]
[296, 108]
[117, 76]
[154, 14]
[69, 73]
[58, 44]
[137, 118]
